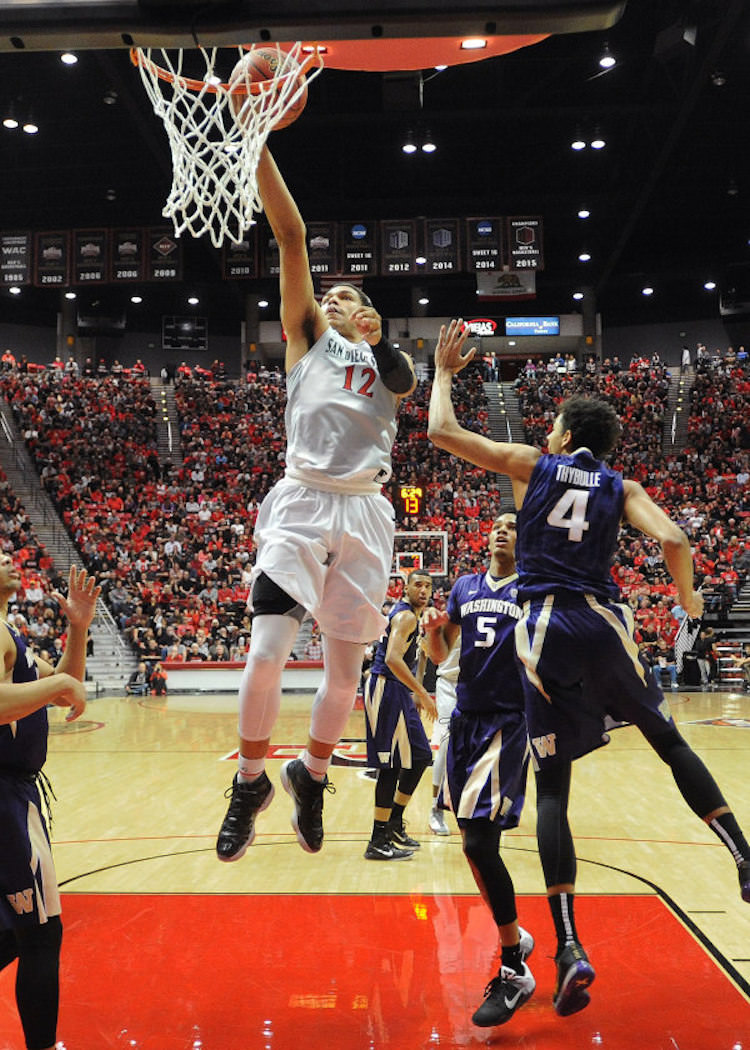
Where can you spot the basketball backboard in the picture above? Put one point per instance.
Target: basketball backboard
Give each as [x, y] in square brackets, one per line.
[80, 24]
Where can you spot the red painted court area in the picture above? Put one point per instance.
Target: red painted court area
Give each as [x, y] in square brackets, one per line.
[203, 972]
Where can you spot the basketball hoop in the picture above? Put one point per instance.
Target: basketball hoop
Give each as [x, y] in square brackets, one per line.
[215, 142]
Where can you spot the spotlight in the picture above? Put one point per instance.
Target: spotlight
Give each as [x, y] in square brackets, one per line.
[709, 285]
[193, 300]
[14, 289]
[473, 44]
[30, 126]
[578, 143]
[607, 59]
[409, 145]
[598, 142]
[71, 295]
[578, 296]
[420, 260]
[583, 213]
[428, 146]
[263, 303]
[423, 300]
[136, 299]
[584, 257]
[648, 290]
[10, 120]
[68, 58]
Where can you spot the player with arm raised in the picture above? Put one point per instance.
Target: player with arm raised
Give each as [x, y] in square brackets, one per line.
[30, 925]
[324, 534]
[575, 639]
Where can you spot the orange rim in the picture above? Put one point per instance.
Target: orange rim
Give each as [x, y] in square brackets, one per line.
[138, 58]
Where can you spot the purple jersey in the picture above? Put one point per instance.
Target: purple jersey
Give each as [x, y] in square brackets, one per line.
[568, 526]
[487, 611]
[23, 743]
[379, 665]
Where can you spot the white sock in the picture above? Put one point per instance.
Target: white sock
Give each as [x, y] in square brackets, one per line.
[316, 767]
[249, 769]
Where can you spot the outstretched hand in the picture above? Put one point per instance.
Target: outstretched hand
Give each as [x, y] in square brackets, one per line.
[80, 604]
[449, 352]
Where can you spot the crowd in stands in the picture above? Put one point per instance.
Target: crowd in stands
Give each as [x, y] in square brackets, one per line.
[171, 542]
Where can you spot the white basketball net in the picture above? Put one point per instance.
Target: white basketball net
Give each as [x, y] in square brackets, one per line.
[215, 152]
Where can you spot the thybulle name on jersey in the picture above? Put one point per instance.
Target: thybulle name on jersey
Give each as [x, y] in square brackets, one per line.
[590, 479]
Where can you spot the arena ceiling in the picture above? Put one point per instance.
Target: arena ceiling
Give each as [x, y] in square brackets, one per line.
[668, 195]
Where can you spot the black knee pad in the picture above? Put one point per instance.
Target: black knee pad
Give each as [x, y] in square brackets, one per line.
[271, 600]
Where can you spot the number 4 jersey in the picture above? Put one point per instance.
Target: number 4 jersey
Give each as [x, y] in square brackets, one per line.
[568, 527]
[340, 418]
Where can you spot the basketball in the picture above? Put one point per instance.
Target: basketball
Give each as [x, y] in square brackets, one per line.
[261, 65]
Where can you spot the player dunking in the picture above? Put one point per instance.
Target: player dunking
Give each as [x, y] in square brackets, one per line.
[324, 534]
[30, 925]
[576, 637]
[397, 745]
[488, 751]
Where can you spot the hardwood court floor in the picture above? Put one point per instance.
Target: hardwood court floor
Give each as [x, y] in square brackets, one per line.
[167, 948]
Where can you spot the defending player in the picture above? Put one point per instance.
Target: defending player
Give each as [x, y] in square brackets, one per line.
[324, 533]
[576, 637]
[488, 751]
[30, 925]
[397, 745]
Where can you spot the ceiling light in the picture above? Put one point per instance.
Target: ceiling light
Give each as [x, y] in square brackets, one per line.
[68, 58]
[420, 260]
[10, 120]
[409, 145]
[193, 300]
[578, 143]
[440, 69]
[475, 43]
[607, 59]
[584, 257]
[109, 98]
[136, 299]
[423, 300]
[648, 290]
[578, 296]
[14, 289]
[709, 285]
[583, 213]
[428, 146]
[71, 295]
[263, 303]
[30, 126]
[598, 142]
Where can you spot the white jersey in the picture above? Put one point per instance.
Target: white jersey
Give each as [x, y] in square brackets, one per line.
[340, 418]
[449, 668]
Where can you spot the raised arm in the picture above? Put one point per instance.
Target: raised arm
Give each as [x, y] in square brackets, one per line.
[444, 430]
[641, 512]
[301, 316]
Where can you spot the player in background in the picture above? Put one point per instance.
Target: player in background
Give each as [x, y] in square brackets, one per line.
[30, 924]
[324, 533]
[488, 751]
[397, 745]
[576, 636]
[446, 676]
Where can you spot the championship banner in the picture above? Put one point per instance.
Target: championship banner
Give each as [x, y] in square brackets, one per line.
[126, 257]
[89, 256]
[358, 249]
[322, 243]
[164, 256]
[398, 246]
[52, 259]
[484, 244]
[15, 259]
[525, 251]
[441, 245]
[512, 285]
[241, 260]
